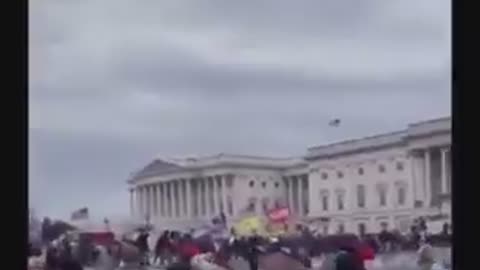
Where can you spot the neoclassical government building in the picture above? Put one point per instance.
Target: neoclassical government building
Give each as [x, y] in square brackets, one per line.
[361, 184]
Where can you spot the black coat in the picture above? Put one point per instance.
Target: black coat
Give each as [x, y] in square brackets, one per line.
[70, 264]
[348, 261]
[142, 242]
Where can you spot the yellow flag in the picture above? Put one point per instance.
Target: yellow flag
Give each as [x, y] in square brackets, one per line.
[249, 225]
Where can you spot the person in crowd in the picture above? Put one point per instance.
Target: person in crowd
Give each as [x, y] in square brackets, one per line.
[162, 248]
[365, 252]
[222, 256]
[142, 245]
[51, 259]
[372, 242]
[422, 224]
[67, 261]
[415, 236]
[187, 249]
[304, 257]
[252, 251]
[425, 255]
[46, 232]
[348, 259]
[384, 239]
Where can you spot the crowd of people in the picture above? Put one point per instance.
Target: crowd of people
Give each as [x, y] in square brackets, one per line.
[175, 250]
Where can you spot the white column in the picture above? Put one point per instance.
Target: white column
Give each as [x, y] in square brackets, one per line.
[203, 192]
[180, 197]
[444, 171]
[141, 192]
[299, 196]
[218, 195]
[188, 187]
[132, 213]
[159, 200]
[290, 194]
[138, 205]
[145, 202]
[230, 196]
[153, 201]
[231, 191]
[169, 199]
[449, 170]
[199, 197]
[428, 181]
[216, 206]
[185, 197]
[175, 197]
[149, 200]
[413, 170]
[140, 202]
[208, 194]
[163, 207]
[223, 180]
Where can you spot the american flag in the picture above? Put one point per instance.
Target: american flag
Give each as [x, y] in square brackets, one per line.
[334, 122]
[81, 213]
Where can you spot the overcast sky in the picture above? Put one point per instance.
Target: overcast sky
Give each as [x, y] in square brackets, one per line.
[114, 83]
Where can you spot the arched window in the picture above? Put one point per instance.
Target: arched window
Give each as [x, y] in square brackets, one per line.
[360, 171]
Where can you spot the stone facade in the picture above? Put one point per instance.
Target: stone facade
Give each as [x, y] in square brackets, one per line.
[364, 184]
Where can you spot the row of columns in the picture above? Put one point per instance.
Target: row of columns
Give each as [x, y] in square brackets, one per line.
[184, 198]
[422, 172]
[297, 193]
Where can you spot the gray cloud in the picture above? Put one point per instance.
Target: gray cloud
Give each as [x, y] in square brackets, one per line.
[113, 84]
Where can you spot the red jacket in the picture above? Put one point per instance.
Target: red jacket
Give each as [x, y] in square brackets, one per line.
[188, 251]
[365, 252]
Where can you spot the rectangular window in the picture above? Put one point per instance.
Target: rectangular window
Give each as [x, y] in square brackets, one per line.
[383, 197]
[340, 202]
[401, 196]
[361, 196]
[325, 203]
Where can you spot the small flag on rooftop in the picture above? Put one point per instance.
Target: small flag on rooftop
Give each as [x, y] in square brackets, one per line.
[334, 122]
